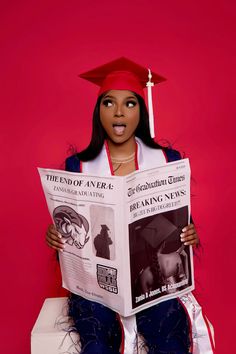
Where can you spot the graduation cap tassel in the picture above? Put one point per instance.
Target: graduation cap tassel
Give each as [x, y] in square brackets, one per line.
[149, 85]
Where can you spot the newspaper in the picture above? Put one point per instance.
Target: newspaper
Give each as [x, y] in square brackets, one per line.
[122, 234]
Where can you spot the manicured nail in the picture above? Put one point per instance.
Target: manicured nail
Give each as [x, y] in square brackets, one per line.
[181, 235]
[184, 229]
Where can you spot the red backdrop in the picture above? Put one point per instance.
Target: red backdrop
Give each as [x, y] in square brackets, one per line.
[45, 107]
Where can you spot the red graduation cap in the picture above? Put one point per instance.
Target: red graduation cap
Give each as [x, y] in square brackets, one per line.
[124, 74]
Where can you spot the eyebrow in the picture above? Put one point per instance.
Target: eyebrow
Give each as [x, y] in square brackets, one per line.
[126, 98]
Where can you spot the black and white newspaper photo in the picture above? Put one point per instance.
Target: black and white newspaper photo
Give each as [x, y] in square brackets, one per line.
[122, 234]
[164, 262]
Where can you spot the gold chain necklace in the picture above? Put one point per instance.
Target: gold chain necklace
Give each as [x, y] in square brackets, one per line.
[121, 160]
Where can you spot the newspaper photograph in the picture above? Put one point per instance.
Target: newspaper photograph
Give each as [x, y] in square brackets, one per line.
[122, 234]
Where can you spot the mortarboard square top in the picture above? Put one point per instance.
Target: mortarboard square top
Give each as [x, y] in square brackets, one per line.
[159, 229]
[121, 74]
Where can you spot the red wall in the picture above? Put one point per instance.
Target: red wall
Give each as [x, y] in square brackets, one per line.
[44, 107]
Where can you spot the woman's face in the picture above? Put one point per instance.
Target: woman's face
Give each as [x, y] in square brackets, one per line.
[119, 115]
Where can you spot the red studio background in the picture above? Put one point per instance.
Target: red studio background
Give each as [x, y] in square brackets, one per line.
[45, 107]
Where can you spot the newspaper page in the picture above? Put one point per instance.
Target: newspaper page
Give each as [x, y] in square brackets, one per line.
[122, 234]
[157, 203]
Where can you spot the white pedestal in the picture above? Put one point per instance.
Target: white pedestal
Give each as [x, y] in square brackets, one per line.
[49, 334]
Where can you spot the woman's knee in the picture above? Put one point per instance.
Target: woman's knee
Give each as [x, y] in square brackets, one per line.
[96, 324]
[165, 328]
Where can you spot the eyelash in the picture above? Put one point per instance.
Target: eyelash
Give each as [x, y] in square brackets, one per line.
[132, 102]
[106, 103]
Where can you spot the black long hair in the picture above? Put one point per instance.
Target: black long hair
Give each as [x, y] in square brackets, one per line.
[99, 135]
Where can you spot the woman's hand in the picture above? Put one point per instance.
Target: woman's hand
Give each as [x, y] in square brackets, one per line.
[54, 238]
[189, 235]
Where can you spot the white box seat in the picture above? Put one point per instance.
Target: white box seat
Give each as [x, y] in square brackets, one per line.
[49, 334]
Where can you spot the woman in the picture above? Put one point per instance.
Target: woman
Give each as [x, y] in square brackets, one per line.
[165, 269]
[165, 260]
[121, 143]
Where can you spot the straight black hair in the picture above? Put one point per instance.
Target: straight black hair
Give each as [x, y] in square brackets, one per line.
[99, 135]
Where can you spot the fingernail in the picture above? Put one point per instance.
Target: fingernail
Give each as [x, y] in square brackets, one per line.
[185, 243]
[184, 229]
[181, 235]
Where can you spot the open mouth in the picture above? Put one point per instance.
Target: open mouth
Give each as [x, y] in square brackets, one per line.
[119, 128]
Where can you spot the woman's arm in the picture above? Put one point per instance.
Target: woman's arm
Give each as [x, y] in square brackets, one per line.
[53, 237]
